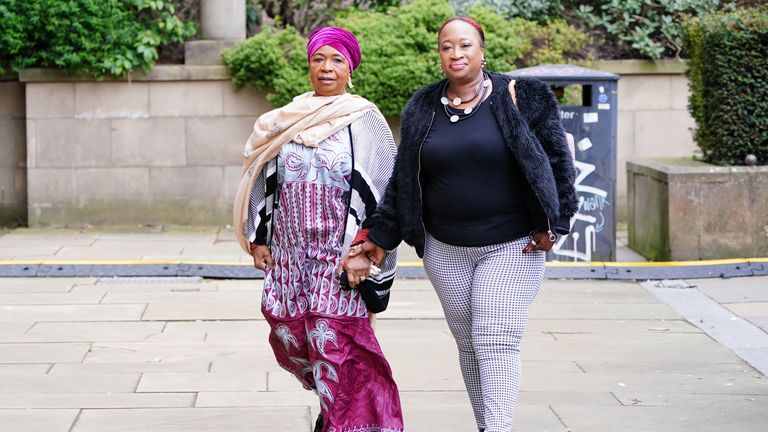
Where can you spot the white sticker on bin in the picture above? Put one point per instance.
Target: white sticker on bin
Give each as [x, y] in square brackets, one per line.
[603, 106]
[590, 117]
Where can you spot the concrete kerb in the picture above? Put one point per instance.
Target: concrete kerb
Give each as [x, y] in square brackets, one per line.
[409, 270]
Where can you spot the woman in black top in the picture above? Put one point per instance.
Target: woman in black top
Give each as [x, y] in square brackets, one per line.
[482, 186]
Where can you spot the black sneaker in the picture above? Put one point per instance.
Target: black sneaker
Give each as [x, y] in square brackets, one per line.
[319, 423]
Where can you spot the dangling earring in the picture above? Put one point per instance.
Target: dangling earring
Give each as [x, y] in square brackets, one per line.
[440, 67]
[483, 63]
[349, 82]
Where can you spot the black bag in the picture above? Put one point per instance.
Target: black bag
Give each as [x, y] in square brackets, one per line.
[367, 290]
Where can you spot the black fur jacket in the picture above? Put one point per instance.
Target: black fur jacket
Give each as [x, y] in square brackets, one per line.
[532, 131]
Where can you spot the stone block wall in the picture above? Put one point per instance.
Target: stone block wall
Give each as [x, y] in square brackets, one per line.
[13, 153]
[686, 210]
[161, 149]
[653, 118]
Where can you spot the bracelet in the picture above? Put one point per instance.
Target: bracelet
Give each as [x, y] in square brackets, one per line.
[552, 236]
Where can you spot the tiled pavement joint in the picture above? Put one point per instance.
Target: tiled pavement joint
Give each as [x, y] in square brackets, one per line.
[743, 338]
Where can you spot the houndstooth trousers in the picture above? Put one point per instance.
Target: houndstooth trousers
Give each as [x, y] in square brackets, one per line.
[486, 293]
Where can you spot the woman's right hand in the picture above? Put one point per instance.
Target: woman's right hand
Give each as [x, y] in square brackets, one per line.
[374, 252]
[262, 257]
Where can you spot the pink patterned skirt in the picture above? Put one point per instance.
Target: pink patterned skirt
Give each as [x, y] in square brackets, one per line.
[319, 332]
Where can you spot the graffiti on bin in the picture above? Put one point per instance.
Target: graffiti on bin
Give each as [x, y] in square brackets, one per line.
[589, 218]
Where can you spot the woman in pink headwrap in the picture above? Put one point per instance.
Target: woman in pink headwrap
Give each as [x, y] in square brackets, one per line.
[314, 170]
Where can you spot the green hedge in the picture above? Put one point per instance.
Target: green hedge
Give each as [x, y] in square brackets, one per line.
[96, 37]
[728, 73]
[641, 28]
[399, 51]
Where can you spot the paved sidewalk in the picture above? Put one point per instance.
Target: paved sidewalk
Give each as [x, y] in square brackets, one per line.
[186, 354]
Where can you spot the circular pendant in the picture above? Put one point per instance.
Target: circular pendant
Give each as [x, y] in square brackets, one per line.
[456, 101]
[444, 100]
[454, 118]
[468, 110]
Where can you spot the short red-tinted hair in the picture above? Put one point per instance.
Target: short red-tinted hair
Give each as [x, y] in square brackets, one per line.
[467, 20]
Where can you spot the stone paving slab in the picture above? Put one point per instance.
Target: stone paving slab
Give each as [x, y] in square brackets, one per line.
[41, 285]
[255, 419]
[48, 298]
[143, 288]
[663, 350]
[584, 397]
[690, 400]
[42, 352]
[71, 312]
[196, 382]
[178, 352]
[203, 236]
[203, 311]
[49, 239]
[106, 331]
[580, 291]
[663, 383]
[756, 312]
[122, 252]
[619, 311]
[98, 400]
[21, 252]
[24, 368]
[10, 329]
[249, 399]
[661, 367]
[37, 420]
[742, 418]
[130, 368]
[191, 297]
[39, 384]
[625, 328]
[742, 290]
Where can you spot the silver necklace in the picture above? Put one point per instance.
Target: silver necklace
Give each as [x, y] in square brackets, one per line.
[456, 115]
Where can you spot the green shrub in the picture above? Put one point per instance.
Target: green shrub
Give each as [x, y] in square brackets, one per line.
[399, 51]
[97, 37]
[728, 75]
[642, 28]
[305, 15]
[537, 10]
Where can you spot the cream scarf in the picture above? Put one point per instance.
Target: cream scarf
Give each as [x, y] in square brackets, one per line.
[306, 120]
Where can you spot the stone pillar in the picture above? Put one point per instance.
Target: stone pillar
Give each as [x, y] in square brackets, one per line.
[222, 19]
[222, 23]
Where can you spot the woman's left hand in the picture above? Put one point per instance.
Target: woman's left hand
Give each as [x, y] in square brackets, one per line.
[540, 241]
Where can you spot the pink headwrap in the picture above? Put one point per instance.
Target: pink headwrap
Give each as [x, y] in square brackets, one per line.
[336, 37]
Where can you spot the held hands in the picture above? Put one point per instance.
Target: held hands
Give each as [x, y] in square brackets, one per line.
[541, 241]
[374, 252]
[262, 257]
[357, 267]
[359, 262]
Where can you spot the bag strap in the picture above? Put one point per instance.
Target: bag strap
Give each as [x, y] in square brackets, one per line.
[512, 92]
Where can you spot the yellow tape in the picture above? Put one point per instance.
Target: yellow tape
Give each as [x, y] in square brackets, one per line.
[400, 264]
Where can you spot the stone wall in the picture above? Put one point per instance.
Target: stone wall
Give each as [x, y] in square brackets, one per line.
[162, 149]
[686, 210]
[13, 153]
[653, 116]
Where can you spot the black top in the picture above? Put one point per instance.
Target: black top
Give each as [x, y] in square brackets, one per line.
[473, 188]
